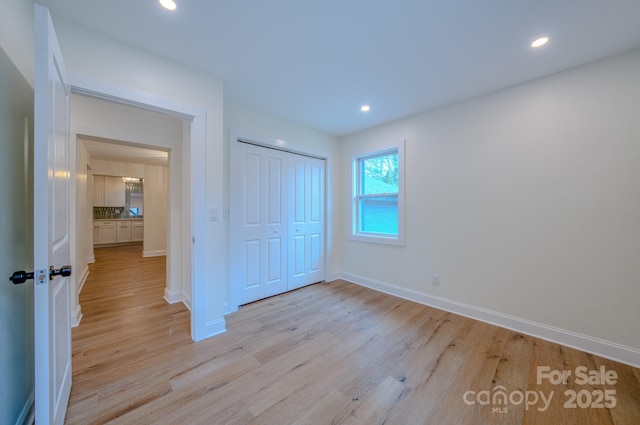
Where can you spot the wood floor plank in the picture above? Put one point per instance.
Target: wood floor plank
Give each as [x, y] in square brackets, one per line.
[331, 353]
[329, 410]
[374, 409]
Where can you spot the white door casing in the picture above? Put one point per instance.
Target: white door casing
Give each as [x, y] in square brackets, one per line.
[306, 220]
[51, 225]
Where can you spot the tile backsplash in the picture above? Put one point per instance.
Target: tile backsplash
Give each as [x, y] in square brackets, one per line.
[108, 212]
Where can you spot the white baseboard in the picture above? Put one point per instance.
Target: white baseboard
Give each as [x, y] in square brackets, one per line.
[599, 347]
[186, 301]
[173, 297]
[83, 278]
[91, 259]
[76, 316]
[157, 253]
[333, 276]
[216, 327]
[28, 413]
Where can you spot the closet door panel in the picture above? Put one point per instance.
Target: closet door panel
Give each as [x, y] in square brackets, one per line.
[275, 186]
[259, 265]
[274, 260]
[252, 171]
[316, 193]
[277, 222]
[306, 229]
[251, 264]
[298, 256]
[298, 189]
[315, 253]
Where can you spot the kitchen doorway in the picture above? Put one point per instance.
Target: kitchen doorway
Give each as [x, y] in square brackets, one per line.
[182, 269]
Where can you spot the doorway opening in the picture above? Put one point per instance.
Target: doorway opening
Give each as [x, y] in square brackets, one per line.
[112, 174]
[185, 265]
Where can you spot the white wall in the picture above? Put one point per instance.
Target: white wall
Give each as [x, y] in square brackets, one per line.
[100, 118]
[17, 35]
[16, 223]
[260, 126]
[524, 201]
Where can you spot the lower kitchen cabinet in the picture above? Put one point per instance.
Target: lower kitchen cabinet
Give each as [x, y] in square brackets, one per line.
[117, 231]
[137, 230]
[123, 232]
[105, 232]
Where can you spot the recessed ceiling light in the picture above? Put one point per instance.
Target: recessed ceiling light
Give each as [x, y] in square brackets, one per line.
[365, 108]
[168, 4]
[539, 42]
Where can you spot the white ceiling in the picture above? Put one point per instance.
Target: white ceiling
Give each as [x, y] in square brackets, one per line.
[316, 62]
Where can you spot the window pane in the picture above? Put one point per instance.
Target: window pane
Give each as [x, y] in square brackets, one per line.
[379, 214]
[379, 174]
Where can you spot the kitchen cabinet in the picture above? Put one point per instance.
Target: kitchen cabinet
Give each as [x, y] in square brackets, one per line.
[137, 230]
[105, 232]
[117, 231]
[98, 191]
[113, 191]
[108, 191]
[123, 231]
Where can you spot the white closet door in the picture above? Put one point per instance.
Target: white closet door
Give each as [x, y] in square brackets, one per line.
[261, 250]
[306, 221]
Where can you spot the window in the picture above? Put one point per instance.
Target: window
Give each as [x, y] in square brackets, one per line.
[378, 202]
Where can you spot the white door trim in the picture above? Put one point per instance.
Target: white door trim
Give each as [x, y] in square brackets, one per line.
[194, 211]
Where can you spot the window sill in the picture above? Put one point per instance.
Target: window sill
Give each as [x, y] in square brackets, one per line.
[379, 239]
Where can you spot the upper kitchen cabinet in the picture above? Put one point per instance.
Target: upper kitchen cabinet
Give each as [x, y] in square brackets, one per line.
[108, 191]
[98, 191]
[113, 191]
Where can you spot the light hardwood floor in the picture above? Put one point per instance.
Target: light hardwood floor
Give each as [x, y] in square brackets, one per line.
[330, 353]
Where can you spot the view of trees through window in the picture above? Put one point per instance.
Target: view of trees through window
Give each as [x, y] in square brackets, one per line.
[380, 174]
[377, 200]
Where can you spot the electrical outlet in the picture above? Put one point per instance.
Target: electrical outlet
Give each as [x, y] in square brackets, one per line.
[435, 279]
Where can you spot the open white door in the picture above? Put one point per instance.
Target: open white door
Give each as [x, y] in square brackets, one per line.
[51, 226]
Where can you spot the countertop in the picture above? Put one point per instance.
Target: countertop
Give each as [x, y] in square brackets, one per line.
[119, 219]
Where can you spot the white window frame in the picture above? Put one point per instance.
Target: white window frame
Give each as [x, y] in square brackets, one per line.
[381, 238]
